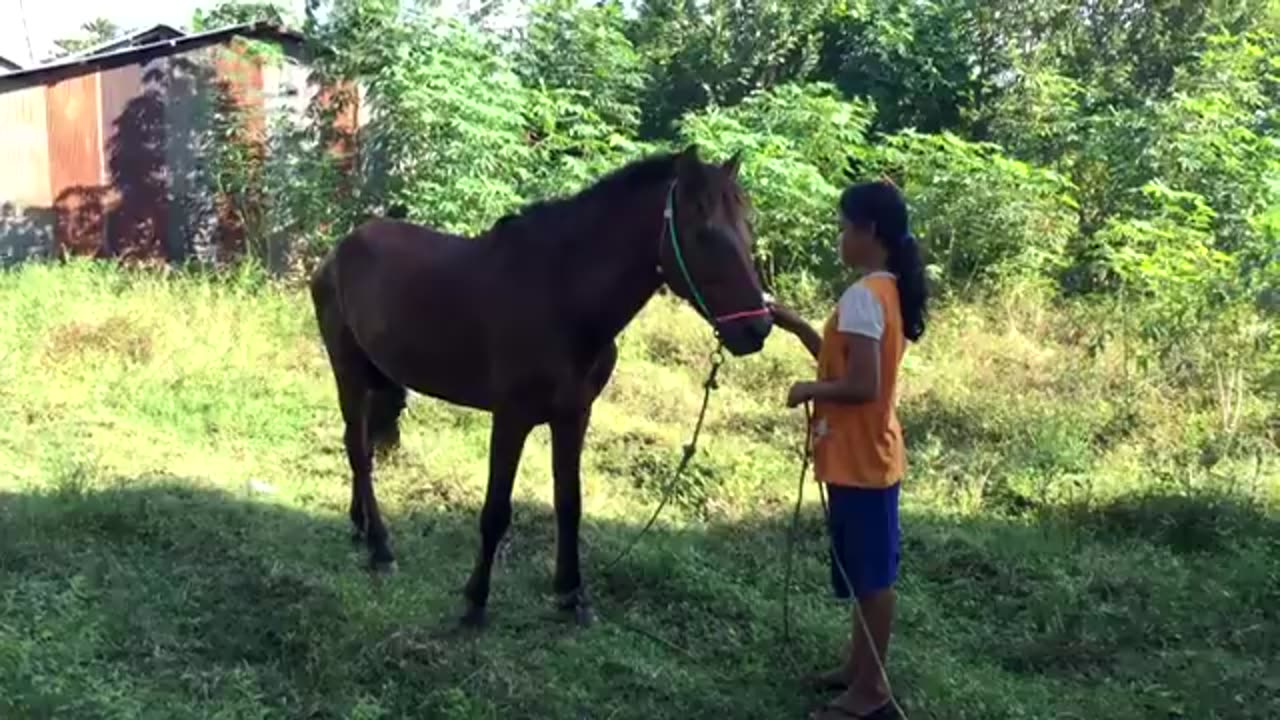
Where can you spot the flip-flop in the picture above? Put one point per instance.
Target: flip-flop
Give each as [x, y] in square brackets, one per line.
[823, 682]
[832, 711]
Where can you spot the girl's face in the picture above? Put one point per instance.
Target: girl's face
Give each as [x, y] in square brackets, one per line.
[858, 245]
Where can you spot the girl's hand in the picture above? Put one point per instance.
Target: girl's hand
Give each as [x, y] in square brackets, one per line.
[785, 317]
[800, 394]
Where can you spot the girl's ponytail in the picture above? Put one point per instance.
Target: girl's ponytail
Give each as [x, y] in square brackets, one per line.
[906, 265]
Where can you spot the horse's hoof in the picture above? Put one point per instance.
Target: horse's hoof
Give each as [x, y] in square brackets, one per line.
[577, 606]
[475, 617]
[357, 537]
[384, 568]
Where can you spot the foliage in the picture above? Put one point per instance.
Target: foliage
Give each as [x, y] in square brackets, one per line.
[239, 12]
[571, 145]
[720, 51]
[581, 51]
[981, 216]
[93, 32]
[446, 137]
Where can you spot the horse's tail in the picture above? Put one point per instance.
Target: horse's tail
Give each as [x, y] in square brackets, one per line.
[386, 402]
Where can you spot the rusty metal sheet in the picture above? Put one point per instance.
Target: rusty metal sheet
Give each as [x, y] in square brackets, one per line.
[26, 205]
[238, 91]
[134, 128]
[24, 148]
[188, 103]
[75, 164]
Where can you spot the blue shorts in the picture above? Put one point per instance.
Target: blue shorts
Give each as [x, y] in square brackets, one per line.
[863, 525]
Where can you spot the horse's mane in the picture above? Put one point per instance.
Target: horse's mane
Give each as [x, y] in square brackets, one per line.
[635, 175]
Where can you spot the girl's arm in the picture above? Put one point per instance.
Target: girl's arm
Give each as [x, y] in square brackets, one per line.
[789, 320]
[861, 381]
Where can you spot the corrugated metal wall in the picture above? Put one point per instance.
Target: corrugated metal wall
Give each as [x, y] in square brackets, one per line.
[75, 164]
[114, 162]
[135, 135]
[26, 205]
[188, 104]
[239, 85]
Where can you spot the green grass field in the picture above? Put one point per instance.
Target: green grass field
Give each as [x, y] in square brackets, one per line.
[174, 542]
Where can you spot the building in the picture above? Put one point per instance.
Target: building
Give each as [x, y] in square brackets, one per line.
[7, 65]
[101, 152]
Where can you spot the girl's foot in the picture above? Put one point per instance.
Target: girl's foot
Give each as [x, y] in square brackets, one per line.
[848, 707]
[837, 679]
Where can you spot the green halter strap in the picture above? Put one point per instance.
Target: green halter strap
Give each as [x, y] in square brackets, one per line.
[669, 215]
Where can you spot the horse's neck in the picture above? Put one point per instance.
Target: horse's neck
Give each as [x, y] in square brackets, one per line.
[613, 266]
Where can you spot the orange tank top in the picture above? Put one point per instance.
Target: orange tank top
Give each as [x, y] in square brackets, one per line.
[861, 445]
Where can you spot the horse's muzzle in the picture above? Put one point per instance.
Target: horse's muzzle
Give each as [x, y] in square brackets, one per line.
[746, 336]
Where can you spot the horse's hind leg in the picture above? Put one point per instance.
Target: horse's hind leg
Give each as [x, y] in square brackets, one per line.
[567, 434]
[355, 396]
[361, 392]
[510, 430]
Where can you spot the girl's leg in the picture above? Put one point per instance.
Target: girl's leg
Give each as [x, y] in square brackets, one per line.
[872, 621]
[864, 529]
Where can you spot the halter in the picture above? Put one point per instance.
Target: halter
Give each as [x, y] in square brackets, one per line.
[669, 220]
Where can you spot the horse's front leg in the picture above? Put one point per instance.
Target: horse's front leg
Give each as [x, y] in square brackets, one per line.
[510, 430]
[567, 434]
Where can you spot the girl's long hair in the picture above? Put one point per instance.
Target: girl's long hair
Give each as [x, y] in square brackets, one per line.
[882, 205]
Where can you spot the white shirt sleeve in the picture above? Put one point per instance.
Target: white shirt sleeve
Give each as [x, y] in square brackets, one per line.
[860, 313]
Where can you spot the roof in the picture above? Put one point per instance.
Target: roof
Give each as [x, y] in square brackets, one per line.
[131, 38]
[6, 65]
[111, 58]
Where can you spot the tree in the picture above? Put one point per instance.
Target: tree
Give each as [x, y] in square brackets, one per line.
[94, 32]
[721, 51]
[236, 12]
[583, 51]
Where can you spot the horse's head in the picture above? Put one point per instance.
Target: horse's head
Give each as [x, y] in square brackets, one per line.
[705, 253]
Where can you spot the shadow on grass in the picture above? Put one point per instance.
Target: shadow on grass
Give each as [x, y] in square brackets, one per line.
[163, 593]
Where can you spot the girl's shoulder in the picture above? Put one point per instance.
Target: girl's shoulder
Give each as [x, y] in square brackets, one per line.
[860, 310]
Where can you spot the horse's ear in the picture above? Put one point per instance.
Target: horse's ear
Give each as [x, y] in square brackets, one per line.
[689, 168]
[733, 165]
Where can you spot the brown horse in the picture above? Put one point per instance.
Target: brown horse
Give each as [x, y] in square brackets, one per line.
[521, 322]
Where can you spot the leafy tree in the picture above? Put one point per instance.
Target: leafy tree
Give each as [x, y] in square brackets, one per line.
[581, 50]
[446, 137]
[720, 51]
[982, 217]
[239, 12]
[94, 32]
[916, 61]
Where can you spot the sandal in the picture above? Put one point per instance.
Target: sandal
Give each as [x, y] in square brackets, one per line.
[825, 682]
[833, 711]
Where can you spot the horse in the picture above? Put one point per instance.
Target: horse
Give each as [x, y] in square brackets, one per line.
[521, 322]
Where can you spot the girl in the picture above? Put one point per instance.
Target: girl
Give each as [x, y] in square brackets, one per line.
[857, 441]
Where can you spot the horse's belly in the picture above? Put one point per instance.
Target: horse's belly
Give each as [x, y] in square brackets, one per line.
[450, 369]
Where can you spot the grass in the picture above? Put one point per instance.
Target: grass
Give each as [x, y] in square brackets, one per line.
[173, 540]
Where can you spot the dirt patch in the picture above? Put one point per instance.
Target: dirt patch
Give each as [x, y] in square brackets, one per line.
[116, 335]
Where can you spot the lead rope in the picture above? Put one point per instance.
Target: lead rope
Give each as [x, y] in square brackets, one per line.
[717, 361]
[786, 596]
